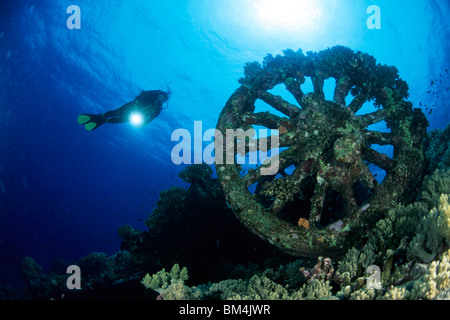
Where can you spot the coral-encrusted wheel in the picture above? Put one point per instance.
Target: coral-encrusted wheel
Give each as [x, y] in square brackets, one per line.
[323, 188]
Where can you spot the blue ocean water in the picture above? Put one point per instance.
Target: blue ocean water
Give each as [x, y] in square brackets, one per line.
[65, 191]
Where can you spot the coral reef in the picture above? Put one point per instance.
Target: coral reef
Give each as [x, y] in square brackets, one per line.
[323, 270]
[258, 287]
[403, 274]
[390, 248]
[433, 232]
[437, 152]
[400, 250]
[170, 285]
[355, 262]
[42, 286]
[435, 283]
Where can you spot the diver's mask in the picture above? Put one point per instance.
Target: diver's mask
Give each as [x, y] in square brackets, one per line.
[163, 97]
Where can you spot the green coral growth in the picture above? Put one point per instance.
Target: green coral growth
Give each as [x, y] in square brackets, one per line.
[434, 185]
[435, 283]
[162, 279]
[433, 232]
[282, 188]
[355, 262]
[258, 287]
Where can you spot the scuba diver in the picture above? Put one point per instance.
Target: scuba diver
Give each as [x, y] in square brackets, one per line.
[145, 107]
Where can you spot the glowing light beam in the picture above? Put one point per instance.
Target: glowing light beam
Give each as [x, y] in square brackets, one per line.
[136, 119]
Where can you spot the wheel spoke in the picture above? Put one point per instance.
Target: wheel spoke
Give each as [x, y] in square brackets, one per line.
[379, 159]
[318, 83]
[279, 104]
[285, 159]
[366, 175]
[317, 200]
[381, 138]
[295, 181]
[293, 86]
[265, 119]
[349, 198]
[357, 102]
[264, 144]
[374, 117]
[342, 89]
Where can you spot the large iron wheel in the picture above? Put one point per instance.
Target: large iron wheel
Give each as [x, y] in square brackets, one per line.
[329, 148]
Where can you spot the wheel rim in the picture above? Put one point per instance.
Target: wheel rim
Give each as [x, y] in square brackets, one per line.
[328, 145]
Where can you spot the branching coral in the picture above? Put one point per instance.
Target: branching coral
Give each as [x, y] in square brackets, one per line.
[434, 185]
[436, 282]
[433, 232]
[258, 287]
[168, 284]
[263, 288]
[355, 262]
[399, 224]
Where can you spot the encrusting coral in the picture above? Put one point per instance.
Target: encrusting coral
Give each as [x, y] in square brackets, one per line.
[328, 145]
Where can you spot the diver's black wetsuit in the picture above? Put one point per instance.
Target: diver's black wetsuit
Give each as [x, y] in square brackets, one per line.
[149, 103]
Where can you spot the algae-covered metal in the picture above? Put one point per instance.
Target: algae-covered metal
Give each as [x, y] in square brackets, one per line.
[329, 145]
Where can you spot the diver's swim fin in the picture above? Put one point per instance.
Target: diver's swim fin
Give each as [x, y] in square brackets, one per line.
[83, 118]
[91, 121]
